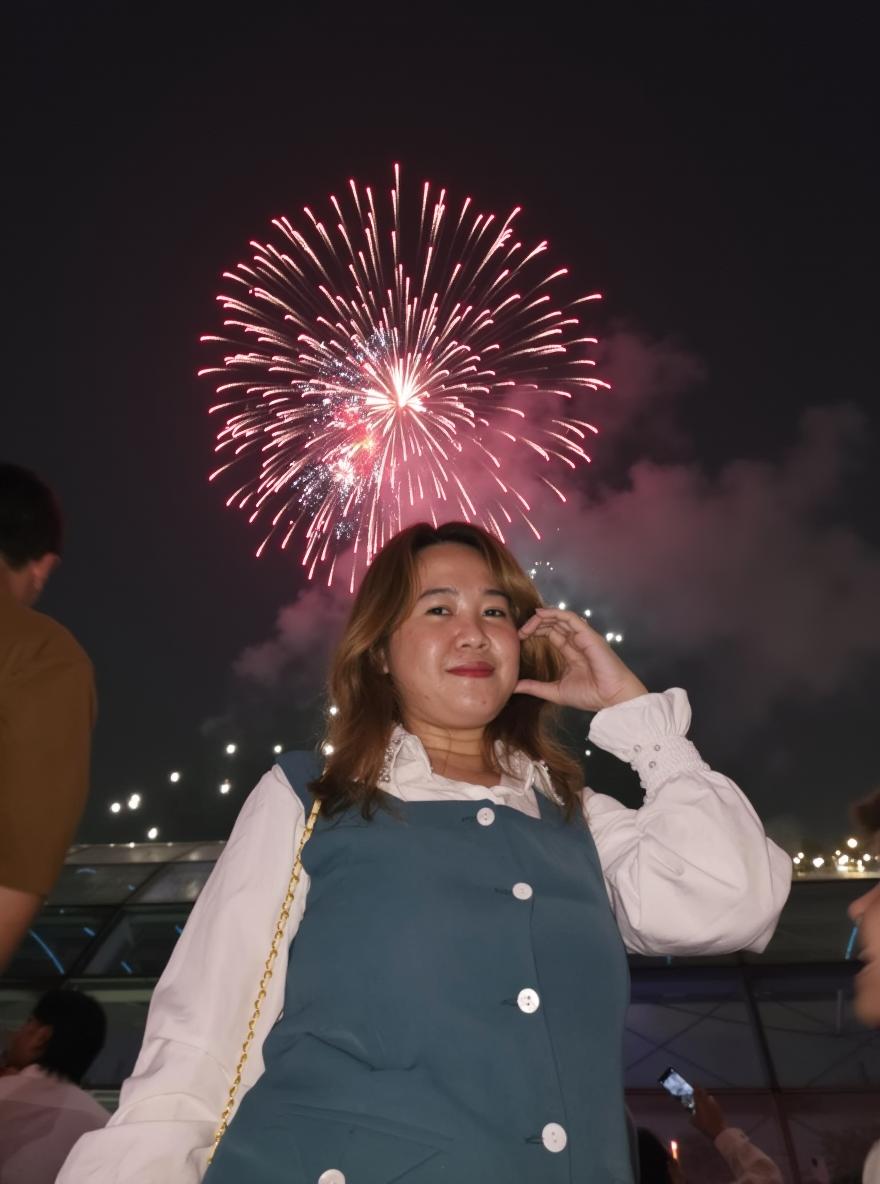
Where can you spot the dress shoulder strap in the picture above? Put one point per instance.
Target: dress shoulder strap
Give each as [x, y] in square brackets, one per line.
[300, 767]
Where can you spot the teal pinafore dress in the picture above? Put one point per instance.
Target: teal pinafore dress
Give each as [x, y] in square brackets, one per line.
[453, 1012]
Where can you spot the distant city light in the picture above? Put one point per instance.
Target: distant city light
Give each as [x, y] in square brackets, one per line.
[562, 605]
[334, 710]
[618, 637]
[153, 832]
[134, 801]
[328, 750]
[588, 612]
[174, 777]
[609, 637]
[115, 807]
[278, 749]
[225, 786]
[588, 752]
[841, 862]
[231, 749]
[852, 843]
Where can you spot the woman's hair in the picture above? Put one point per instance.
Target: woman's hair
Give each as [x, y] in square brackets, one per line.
[366, 702]
[654, 1159]
[866, 815]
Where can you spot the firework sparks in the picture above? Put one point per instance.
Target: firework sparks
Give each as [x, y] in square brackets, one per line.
[370, 376]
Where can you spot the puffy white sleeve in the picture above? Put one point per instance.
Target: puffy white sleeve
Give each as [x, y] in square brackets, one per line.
[691, 871]
[170, 1106]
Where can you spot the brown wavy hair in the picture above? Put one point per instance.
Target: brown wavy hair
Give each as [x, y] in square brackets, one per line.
[366, 702]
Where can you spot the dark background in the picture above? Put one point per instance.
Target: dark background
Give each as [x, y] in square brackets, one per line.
[710, 168]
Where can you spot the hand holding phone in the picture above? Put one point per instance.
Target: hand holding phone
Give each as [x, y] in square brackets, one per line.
[708, 1115]
[674, 1084]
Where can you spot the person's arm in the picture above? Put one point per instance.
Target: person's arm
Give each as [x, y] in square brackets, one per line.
[691, 871]
[170, 1107]
[17, 910]
[747, 1162]
[46, 718]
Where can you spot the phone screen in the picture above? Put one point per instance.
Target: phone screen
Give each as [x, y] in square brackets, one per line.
[673, 1082]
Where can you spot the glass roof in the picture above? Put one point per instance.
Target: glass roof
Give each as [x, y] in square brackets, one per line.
[116, 913]
[117, 910]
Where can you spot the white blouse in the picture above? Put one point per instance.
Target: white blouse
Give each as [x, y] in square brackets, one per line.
[690, 872]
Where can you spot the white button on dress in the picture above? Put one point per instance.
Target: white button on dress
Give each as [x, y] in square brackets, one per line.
[528, 1000]
[485, 816]
[553, 1137]
[522, 891]
[331, 1176]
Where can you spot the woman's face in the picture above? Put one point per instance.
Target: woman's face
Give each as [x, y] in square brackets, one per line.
[455, 659]
[865, 912]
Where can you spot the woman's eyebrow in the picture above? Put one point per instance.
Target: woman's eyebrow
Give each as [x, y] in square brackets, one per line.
[455, 592]
[438, 592]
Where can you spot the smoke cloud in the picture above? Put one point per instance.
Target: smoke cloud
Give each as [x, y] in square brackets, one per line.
[746, 583]
[749, 563]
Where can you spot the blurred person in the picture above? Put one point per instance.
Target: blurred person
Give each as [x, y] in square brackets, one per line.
[864, 912]
[656, 1163]
[43, 1110]
[747, 1163]
[446, 988]
[47, 710]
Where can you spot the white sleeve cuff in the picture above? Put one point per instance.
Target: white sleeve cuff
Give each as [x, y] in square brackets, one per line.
[650, 734]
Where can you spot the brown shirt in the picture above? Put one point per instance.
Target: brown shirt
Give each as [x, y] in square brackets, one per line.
[47, 710]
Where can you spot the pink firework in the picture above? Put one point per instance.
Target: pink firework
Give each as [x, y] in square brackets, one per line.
[373, 375]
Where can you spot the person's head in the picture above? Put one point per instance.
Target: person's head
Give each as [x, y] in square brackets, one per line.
[63, 1034]
[432, 643]
[656, 1165]
[865, 912]
[30, 533]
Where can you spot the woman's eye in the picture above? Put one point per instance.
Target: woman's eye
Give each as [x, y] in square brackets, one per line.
[437, 610]
[496, 612]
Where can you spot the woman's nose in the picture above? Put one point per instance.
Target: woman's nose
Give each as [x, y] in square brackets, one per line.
[472, 631]
[857, 907]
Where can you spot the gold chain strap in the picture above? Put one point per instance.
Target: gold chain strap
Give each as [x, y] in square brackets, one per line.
[277, 938]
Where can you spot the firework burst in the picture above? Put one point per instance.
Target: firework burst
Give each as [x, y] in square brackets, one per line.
[370, 375]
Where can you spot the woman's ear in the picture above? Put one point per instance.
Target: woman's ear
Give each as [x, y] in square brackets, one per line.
[379, 658]
[42, 1038]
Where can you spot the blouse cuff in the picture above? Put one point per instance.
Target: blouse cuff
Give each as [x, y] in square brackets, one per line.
[650, 734]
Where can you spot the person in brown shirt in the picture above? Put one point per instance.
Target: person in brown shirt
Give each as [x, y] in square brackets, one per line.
[47, 710]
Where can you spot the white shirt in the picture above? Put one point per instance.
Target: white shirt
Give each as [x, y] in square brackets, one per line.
[748, 1163]
[41, 1117]
[690, 872]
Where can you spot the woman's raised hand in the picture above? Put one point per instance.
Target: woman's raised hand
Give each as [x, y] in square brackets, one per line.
[593, 676]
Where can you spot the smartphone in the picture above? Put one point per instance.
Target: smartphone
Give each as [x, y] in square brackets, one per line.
[674, 1084]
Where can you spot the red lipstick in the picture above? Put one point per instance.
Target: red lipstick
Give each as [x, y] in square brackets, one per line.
[473, 670]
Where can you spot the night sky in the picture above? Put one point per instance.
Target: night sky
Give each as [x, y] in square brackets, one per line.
[711, 169]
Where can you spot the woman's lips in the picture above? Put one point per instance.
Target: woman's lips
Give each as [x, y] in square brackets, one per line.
[472, 671]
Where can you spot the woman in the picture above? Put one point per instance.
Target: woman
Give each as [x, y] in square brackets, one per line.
[453, 1004]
